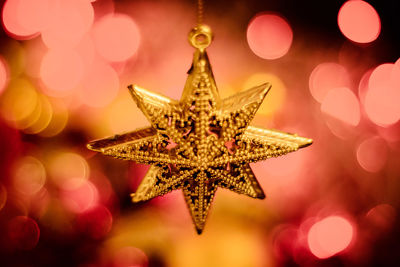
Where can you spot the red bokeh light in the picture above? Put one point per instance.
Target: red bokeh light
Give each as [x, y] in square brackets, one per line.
[349, 111]
[95, 222]
[359, 21]
[327, 76]
[269, 36]
[79, 195]
[330, 236]
[61, 71]
[70, 21]
[12, 24]
[372, 154]
[23, 232]
[381, 99]
[116, 37]
[35, 15]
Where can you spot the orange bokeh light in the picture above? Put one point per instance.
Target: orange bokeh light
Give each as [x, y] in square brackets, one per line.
[61, 71]
[342, 104]
[327, 76]
[372, 154]
[359, 21]
[381, 99]
[69, 23]
[269, 36]
[116, 37]
[329, 236]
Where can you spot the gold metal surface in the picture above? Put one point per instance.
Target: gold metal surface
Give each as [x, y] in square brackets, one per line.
[201, 142]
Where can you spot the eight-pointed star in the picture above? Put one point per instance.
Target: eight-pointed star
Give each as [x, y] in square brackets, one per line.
[199, 143]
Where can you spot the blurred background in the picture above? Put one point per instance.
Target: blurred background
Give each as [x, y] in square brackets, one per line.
[335, 74]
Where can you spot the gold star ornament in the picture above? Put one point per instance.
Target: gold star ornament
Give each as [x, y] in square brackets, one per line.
[201, 142]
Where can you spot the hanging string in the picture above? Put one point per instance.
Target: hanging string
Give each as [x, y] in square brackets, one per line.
[200, 11]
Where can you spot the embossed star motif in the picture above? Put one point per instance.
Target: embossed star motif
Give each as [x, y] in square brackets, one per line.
[199, 143]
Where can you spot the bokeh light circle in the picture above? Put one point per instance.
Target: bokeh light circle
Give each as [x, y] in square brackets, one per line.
[372, 154]
[327, 76]
[96, 222]
[381, 99]
[269, 36]
[359, 21]
[23, 232]
[382, 216]
[61, 71]
[71, 20]
[78, 195]
[116, 37]
[130, 256]
[349, 111]
[29, 176]
[66, 165]
[329, 236]
[11, 21]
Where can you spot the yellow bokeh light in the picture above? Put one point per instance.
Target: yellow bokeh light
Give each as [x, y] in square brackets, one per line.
[66, 165]
[275, 97]
[19, 103]
[46, 113]
[58, 120]
[29, 176]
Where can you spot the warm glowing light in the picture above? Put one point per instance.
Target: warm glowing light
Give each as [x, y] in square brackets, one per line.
[35, 50]
[95, 222]
[70, 22]
[3, 196]
[359, 21]
[325, 77]
[35, 15]
[363, 85]
[64, 166]
[342, 104]
[381, 103]
[382, 216]
[123, 115]
[61, 71]
[44, 117]
[275, 97]
[19, 103]
[29, 176]
[100, 86]
[116, 37]
[4, 75]
[23, 232]
[372, 154]
[11, 21]
[58, 120]
[130, 256]
[78, 195]
[269, 36]
[330, 236]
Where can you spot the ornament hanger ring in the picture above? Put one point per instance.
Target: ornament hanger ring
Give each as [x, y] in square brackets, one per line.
[200, 37]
